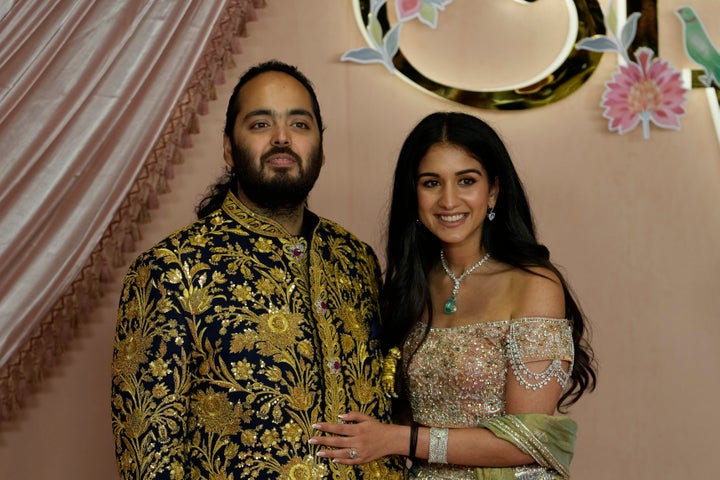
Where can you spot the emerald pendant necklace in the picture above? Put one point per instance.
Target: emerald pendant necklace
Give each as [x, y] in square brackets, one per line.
[451, 304]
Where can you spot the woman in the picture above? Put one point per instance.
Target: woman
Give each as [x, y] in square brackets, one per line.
[492, 340]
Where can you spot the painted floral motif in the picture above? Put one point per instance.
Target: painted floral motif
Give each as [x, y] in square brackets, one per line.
[645, 91]
[384, 48]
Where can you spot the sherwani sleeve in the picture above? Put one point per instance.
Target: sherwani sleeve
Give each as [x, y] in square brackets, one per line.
[150, 377]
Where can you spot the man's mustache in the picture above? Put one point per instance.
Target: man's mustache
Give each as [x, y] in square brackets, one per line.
[280, 151]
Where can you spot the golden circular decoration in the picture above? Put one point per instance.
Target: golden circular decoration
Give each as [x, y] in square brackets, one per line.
[562, 77]
[277, 322]
[300, 471]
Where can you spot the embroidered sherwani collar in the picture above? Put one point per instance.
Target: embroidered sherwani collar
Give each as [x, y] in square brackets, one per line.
[295, 247]
[258, 223]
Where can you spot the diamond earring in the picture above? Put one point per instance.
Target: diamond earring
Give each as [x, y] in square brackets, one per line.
[491, 214]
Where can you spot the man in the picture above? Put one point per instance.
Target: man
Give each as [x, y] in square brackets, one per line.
[241, 331]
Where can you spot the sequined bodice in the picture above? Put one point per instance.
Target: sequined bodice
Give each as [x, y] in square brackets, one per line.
[457, 377]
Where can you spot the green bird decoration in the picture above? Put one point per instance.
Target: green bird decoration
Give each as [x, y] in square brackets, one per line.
[699, 46]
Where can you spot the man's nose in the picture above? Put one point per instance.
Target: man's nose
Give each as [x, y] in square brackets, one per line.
[281, 137]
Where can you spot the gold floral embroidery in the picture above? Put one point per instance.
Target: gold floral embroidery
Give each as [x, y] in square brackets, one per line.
[221, 353]
[263, 245]
[242, 293]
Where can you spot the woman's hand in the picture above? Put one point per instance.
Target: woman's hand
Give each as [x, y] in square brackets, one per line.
[357, 438]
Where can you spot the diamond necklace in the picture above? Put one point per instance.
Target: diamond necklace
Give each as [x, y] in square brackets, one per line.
[451, 304]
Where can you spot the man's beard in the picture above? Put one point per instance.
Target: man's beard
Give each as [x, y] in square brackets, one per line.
[283, 191]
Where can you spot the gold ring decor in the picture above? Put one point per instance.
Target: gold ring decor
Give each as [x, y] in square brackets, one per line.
[566, 74]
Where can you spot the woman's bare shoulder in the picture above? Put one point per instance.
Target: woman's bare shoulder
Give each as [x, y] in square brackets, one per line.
[537, 293]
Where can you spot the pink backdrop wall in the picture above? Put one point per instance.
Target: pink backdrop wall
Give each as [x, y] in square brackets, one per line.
[634, 223]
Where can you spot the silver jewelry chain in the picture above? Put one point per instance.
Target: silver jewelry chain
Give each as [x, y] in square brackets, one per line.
[467, 272]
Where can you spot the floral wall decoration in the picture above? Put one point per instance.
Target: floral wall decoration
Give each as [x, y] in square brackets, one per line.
[644, 90]
[647, 90]
[386, 45]
[563, 76]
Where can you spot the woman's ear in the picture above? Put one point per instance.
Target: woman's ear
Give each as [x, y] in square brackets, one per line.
[494, 191]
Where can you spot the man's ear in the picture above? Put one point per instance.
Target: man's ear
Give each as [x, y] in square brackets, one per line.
[227, 151]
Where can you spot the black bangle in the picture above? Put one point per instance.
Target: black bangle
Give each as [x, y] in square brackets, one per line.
[414, 427]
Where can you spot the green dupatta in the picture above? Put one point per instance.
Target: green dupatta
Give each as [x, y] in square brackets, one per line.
[546, 438]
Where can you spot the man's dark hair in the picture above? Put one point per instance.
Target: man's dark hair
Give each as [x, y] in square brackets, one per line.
[216, 194]
[269, 66]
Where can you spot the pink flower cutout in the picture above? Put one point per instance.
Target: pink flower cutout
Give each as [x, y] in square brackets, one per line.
[648, 91]
[424, 10]
[407, 9]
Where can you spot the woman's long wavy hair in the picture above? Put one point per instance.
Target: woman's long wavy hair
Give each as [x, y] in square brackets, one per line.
[510, 238]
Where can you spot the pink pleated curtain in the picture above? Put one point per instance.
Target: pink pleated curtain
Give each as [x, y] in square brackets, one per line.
[97, 99]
